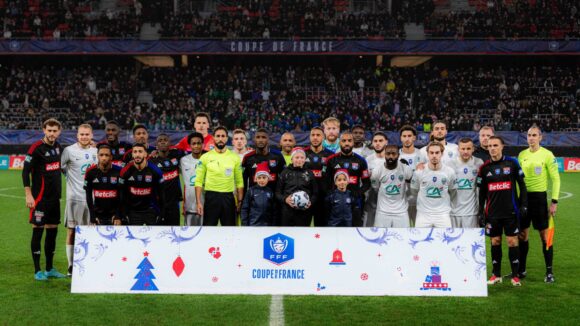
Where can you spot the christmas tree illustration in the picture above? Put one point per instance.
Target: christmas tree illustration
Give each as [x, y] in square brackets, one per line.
[145, 277]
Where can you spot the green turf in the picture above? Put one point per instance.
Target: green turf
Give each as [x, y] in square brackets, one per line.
[24, 301]
[533, 303]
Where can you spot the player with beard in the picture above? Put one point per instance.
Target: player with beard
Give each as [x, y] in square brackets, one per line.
[167, 160]
[408, 152]
[331, 131]
[316, 159]
[374, 161]
[357, 170]
[140, 136]
[287, 143]
[482, 151]
[360, 143]
[118, 148]
[141, 189]
[439, 134]
[390, 180]
[42, 193]
[262, 153]
[464, 205]
[219, 174]
[434, 186]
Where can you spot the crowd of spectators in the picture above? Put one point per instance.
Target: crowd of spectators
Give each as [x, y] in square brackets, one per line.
[287, 97]
[73, 94]
[498, 19]
[68, 19]
[515, 19]
[282, 19]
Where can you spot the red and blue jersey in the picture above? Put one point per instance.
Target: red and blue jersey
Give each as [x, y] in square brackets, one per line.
[498, 183]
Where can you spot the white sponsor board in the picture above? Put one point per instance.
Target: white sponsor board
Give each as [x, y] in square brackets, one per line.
[268, 260]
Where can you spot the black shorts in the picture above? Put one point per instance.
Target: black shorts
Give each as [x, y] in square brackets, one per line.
[45, 212]
[537, 211]
[105, 220]
[219, 207]
[171, 214]
[148, 217]
[497, 227]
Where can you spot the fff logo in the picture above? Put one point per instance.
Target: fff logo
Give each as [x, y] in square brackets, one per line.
[278, 248]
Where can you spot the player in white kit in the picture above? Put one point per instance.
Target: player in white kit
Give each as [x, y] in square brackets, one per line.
[434, 185]
[75, 161]
[438, 135]
[390, 181]
[412, 155]
[465, 202]
[374, 160]
[188, 165]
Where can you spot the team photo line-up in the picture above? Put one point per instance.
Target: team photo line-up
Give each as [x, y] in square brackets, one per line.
[338, 180]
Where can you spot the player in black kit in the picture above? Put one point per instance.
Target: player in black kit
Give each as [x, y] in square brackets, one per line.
[262, 153]
[103, 189]
[141, 189]
[118, 148]
[358, 172]
[167, 160]
[500, 208]
[43, 195]
[316, 157]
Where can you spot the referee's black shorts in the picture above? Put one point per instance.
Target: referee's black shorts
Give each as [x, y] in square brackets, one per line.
[219, 206]
[537, 211]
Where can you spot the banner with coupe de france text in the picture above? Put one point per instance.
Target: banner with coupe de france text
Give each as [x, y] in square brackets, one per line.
[268, 260]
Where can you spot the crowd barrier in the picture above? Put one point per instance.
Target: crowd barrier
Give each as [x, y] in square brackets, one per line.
[512, 138]
[16, 162]
[269, 260]
[289, 47]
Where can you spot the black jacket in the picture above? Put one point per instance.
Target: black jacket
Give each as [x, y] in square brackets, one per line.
[359, 181]
[339, 206]
[295, 179]
[258, 207]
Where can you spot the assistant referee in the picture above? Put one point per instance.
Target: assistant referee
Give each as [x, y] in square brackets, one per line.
[538, 164]
[219, 173]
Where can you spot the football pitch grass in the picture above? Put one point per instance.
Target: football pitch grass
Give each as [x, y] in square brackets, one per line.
[24, 301]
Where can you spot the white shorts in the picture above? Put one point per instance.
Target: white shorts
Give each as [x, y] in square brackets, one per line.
[383, 220]
[431, 220]
[76, 213]
[468, 221]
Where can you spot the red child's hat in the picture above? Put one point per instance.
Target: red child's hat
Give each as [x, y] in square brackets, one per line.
[262, 169]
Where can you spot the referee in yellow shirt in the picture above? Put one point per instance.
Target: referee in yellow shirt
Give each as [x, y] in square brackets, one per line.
[219, 174]
[539, 165]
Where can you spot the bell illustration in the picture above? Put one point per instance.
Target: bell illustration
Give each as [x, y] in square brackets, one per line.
[337, 258]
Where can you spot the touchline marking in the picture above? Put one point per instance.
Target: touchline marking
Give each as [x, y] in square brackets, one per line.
[11, 188]
[566, 195]
[277, 310]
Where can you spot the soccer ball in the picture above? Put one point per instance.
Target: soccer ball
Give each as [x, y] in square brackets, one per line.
[301, 199]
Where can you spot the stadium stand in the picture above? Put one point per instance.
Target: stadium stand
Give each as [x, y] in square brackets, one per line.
[341, 19]
[282, 95]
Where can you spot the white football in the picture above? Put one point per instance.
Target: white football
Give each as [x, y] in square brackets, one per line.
[301, 199]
